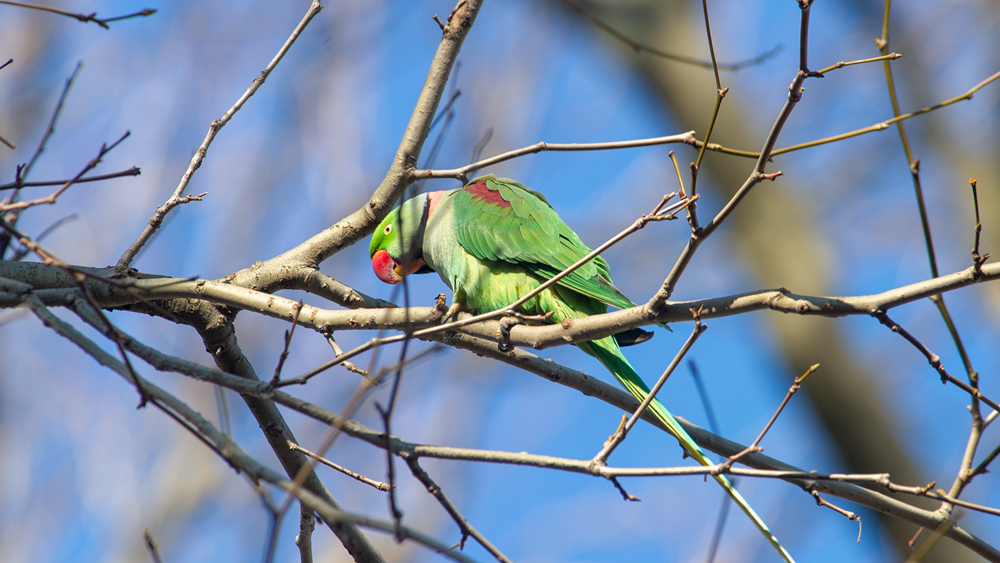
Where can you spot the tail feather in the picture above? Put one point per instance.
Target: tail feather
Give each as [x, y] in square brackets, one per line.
[606, 350]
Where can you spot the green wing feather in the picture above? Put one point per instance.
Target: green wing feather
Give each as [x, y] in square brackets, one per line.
[528, 232]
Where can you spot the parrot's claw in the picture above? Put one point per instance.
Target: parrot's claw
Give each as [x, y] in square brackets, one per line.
[452, 313]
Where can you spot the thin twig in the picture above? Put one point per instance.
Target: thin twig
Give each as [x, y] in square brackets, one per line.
[463, 172]
[977, 259]
[881, 126]
[23, 171]
[352, 474]
[755, 446]
[349, 365]
[934, 360]
[847, 514]
[288, 342]
[842, 64]
[914, 166]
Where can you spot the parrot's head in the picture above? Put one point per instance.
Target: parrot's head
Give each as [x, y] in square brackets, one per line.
[401, 230]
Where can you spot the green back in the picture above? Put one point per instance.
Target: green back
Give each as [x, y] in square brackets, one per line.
[499, 219]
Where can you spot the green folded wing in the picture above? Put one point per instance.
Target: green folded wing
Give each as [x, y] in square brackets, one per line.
[499, 219]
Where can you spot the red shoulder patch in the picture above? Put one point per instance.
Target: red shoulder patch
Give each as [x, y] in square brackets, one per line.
[432, 199]
[481, 192]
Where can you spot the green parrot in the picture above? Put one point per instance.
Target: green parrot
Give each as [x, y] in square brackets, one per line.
[495, 240]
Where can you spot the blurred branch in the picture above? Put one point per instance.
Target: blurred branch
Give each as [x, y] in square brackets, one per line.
[84, 18]
[213, 129]
[24, 250]
[639, 47]
[9, 144]
[134, 171]
[151, 546]
[51, 198]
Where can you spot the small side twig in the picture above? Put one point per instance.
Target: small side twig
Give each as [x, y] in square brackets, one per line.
[977, 260]
[846, 513]
[352, 474]
[934, 360]
[755, 446]
[288, 342]
[349, 365]
[463, 172]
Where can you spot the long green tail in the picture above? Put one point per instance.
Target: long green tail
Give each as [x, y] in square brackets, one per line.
[606, 350]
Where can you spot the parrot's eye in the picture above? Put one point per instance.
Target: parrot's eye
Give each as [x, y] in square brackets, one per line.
[387, 229]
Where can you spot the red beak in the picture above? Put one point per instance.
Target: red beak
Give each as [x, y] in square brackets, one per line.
[390, 271]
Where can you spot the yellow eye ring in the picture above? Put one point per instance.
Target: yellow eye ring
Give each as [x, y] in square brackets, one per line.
[388, 229]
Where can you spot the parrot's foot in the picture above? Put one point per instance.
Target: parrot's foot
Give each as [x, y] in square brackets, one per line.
[512, 319]
[503, 333]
